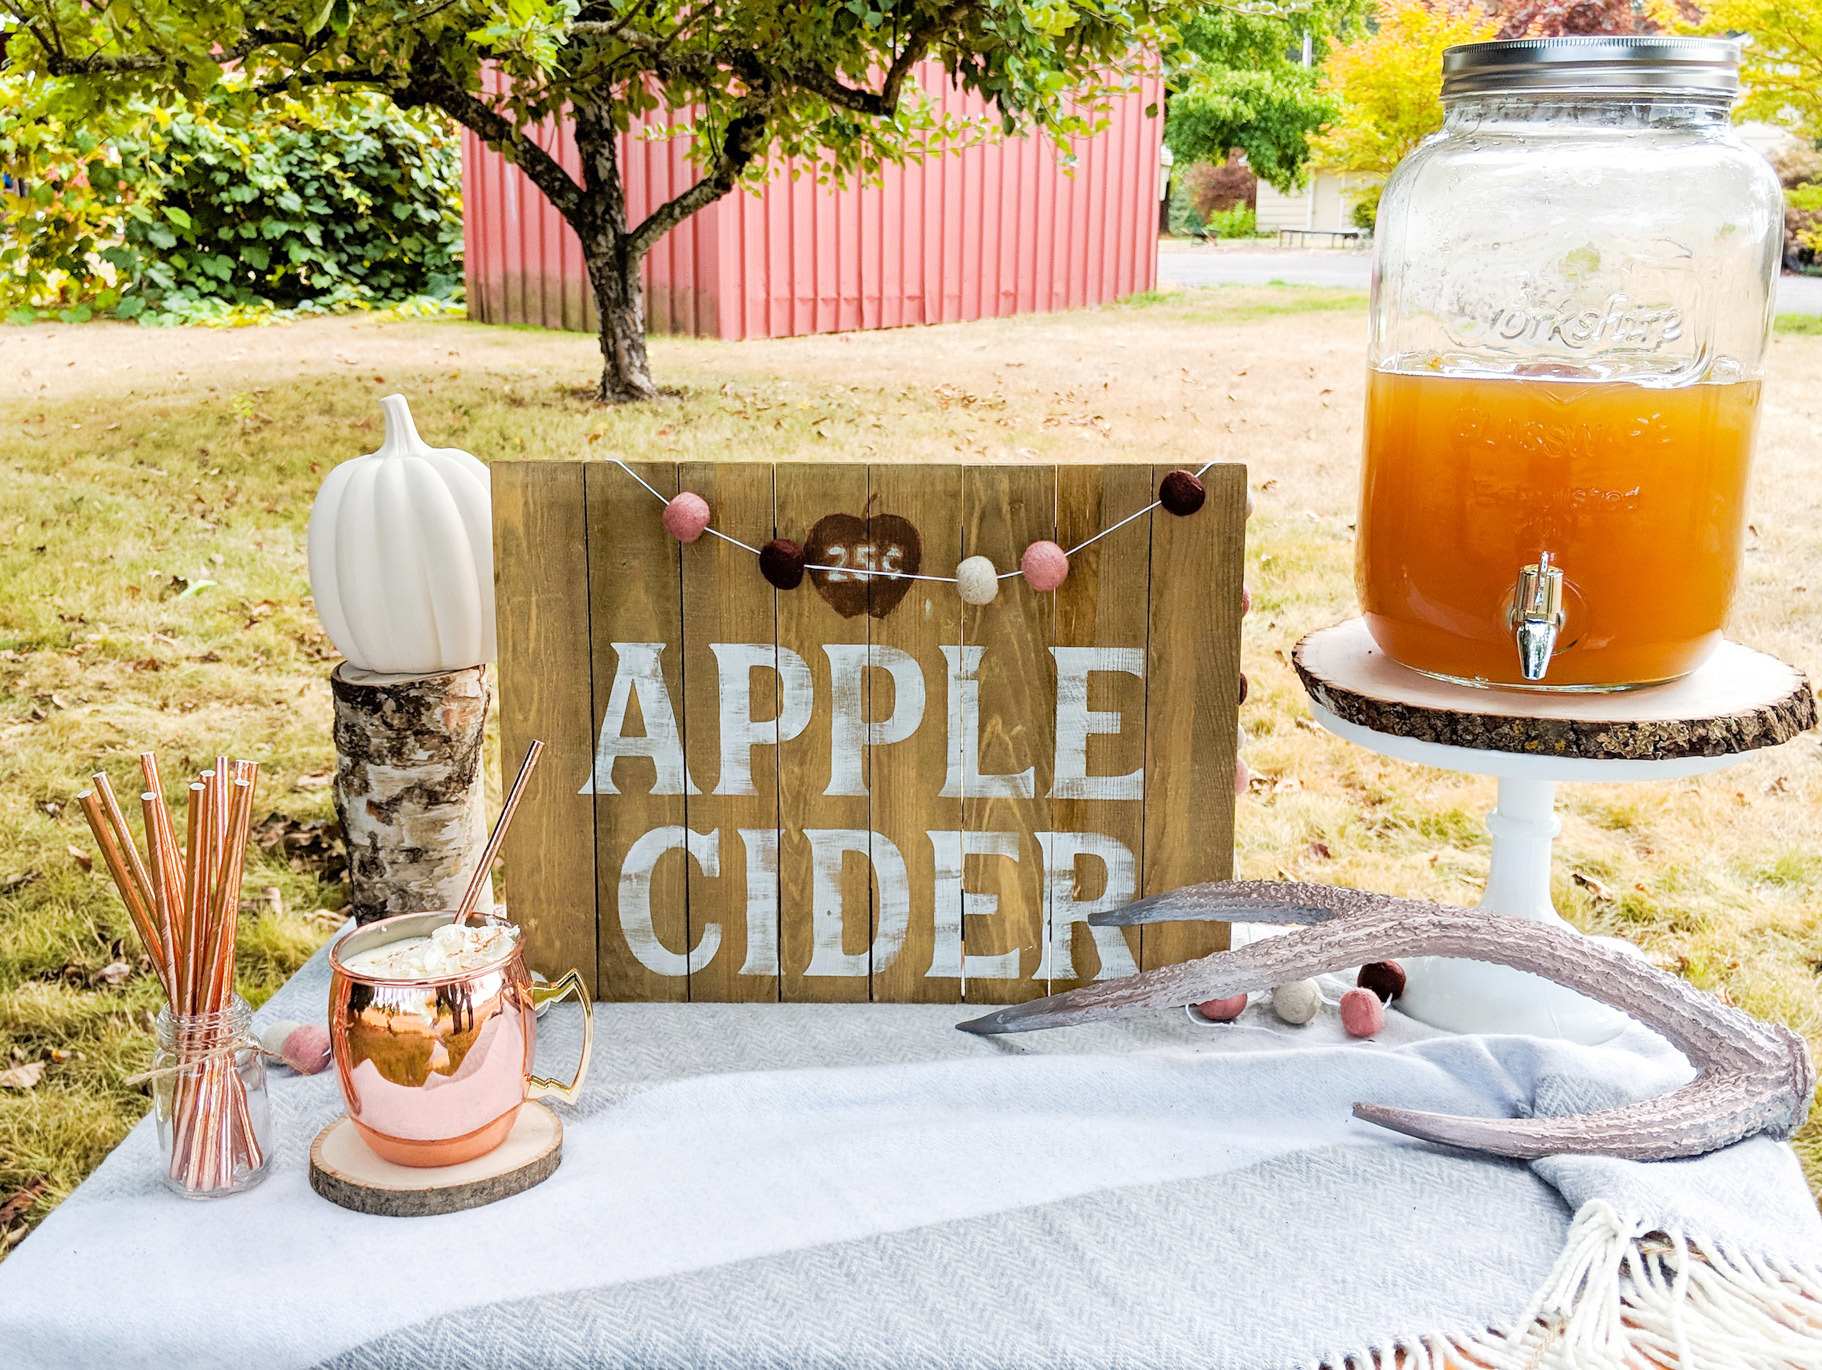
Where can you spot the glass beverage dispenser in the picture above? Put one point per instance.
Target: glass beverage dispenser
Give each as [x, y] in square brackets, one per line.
[1572, 296]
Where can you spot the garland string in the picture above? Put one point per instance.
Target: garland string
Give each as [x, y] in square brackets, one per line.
[902, 575]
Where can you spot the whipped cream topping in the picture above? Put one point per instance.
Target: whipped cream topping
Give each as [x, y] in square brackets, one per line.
[447, 951]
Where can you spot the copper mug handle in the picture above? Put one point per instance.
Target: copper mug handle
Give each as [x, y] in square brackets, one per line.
[536, 1086]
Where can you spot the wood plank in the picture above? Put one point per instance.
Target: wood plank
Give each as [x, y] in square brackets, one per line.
[815, 825]
[635, 593]
[731, 700]
[1193, 705]
[906, 776]
[541, 588]
[1102, 620]
[1005, 763]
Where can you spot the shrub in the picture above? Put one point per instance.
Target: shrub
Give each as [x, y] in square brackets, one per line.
[1365, 212]
[190, 218]
[1238, 222]
[1800, 173]
[1213, 186]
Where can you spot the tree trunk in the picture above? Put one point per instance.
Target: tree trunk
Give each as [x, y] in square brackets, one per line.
[409, 787]
[625, 373]
[613, 268]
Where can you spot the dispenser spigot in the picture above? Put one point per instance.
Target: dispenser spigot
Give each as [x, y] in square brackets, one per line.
[1537, 616]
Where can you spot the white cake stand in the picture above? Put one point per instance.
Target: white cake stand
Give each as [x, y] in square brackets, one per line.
[1738, 702]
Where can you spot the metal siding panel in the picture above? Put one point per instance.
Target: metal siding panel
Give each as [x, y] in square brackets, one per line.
[984, 232]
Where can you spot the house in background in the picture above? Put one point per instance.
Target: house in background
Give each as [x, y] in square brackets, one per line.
[1007, 227]
[1326, 201]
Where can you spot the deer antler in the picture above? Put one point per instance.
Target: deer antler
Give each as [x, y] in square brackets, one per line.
[1751, 1076]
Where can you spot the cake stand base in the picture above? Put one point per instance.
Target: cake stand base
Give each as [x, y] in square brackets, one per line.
[1736, 703]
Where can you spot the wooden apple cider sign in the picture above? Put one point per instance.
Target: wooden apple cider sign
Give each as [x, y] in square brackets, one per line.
[863, 787]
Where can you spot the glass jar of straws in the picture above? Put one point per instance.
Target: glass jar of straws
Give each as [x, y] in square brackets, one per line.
[209, 1100]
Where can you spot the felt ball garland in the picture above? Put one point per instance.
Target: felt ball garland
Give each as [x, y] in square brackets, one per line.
[976, 581]
[1044, 565]
[686, 518]
[782, 562]
[1181, 494]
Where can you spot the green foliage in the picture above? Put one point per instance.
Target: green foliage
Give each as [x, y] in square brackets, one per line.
[1365, 212]
[1388, 85]
[185, 216]
[1243, 85]
[1238, 222]
[53, 225]
[308, 207]
[1781, 63]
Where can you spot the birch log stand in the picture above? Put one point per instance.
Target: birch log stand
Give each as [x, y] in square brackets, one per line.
[409, 787]
[1737, 702]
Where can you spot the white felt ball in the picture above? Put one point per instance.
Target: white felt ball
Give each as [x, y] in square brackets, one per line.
[1297, 1002]
[976, 581]
[273, 1037]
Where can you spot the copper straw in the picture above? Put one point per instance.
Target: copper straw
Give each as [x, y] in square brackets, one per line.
[504, 821]
[130, 893]
[184, 903]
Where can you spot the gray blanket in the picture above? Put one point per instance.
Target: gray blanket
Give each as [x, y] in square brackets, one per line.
[863, 1186]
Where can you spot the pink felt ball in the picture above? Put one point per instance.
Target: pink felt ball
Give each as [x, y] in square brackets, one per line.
[1362, 1015]
[1243, 776]
[1246, 600]
[306, 1048]
[1045, 565]
[686, 516]
[1223, 1010]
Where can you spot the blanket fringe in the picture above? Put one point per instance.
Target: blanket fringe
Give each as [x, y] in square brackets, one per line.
[1624, 1296]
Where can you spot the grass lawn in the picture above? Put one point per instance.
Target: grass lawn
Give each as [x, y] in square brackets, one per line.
[154, 489]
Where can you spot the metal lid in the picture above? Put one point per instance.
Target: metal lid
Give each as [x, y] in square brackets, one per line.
[1642, 63]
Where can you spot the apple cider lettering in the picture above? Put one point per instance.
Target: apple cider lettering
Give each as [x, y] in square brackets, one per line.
[640, 751]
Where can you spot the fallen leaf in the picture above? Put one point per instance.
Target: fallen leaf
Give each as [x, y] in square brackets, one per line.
[22, 1077]
[18, 881]
[1320, 850]
[22, 1198]
[148, 663]
[1593, 886]
[114, 973]
[82, 859]
[316, 780]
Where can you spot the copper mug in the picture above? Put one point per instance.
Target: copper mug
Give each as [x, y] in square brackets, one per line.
[434, 1069]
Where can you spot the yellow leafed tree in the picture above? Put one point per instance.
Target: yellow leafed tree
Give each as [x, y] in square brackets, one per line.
[1389, 84]
[1781, 77]
[1781, 63]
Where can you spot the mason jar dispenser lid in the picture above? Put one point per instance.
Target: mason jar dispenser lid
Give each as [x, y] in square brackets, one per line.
[1651, 64]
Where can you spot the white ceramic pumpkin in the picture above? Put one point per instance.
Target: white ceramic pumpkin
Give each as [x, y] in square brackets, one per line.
[401, 555]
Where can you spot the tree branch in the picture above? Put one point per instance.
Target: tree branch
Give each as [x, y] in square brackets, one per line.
[884, 102]
[436, 88]
[743, 140]
[323, 78]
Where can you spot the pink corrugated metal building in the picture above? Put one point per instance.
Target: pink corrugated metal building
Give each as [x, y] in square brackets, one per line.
[998, 229]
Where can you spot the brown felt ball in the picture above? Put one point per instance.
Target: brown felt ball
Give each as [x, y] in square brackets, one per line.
[1243, 687]
[781, 561]
[1384, 978]
[1181, 493]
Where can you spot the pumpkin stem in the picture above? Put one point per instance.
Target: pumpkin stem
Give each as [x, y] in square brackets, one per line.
[401, 433]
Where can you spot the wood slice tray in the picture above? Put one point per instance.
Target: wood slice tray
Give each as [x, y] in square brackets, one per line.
[345, 1171]
[1738, 700]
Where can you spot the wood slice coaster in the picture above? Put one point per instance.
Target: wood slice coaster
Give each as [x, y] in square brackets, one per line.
[1737, 701]
[345, 1171]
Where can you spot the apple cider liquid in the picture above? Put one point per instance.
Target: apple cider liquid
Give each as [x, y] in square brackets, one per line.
[1636, 492]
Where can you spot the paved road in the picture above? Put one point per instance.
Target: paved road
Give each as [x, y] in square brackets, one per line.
[1796, 294]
